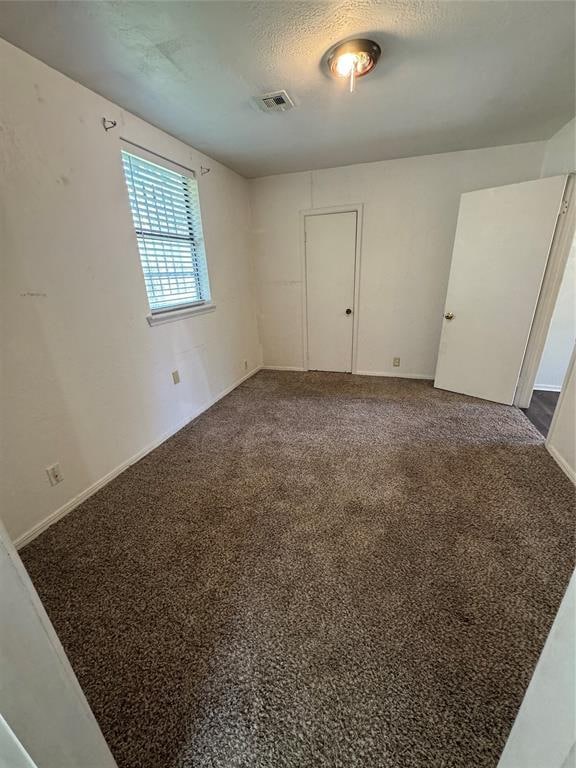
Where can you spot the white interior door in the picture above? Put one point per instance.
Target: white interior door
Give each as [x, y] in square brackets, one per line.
[330, 269]
[45, 718]
[503, 239]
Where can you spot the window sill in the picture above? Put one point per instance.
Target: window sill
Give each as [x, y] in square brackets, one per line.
[171, 315]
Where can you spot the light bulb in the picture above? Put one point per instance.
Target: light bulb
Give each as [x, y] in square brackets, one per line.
[346, 64]
[353, 59]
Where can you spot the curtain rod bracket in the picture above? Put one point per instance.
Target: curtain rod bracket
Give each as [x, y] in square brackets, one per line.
[204, 171]
[108, 124]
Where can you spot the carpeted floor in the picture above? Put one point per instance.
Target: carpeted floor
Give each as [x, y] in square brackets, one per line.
[321, 571]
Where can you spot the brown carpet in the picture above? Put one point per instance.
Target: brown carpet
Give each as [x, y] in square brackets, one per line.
[322, 570]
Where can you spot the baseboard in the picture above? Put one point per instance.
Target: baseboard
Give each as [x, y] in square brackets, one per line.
[547, 388]
[389, 374]
[397, 375]
[59, 513]
[282, 368]
[562, 463]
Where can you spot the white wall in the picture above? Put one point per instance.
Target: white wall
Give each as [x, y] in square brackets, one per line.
[410, 211]
[560, 157]
[544, 731]
[85, 381]
[47, 716]
[560, 152]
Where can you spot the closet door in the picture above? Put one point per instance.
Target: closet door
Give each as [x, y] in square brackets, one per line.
[330, 273]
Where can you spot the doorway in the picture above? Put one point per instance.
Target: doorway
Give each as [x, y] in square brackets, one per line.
[557, 351]
[504, 236]
[512, 287]
[331, 282]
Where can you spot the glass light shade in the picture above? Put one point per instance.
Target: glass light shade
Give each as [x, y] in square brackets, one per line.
[353, 58]
[360, 62]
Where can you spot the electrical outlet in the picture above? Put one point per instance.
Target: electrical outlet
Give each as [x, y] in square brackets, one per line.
[54, 474]
[396, 362]
[176, 376]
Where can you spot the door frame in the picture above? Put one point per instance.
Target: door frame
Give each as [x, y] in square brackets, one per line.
[555, 267]
[558, 458]
[358, 209]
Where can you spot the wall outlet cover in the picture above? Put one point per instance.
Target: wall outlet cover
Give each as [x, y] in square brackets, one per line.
[54, 474]
[396, 362]
[176, 377]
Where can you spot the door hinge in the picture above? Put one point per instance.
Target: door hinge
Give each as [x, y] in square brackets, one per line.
[565, 206]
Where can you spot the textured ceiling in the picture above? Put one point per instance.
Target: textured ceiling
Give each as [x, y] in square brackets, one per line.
[453, 75]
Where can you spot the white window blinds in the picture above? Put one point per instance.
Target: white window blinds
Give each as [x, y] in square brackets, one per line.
[166, 214]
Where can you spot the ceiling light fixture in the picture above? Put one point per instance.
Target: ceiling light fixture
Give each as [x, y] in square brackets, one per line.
[353, 59]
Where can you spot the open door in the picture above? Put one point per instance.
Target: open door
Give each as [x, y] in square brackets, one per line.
[45, 720]
[503, 239]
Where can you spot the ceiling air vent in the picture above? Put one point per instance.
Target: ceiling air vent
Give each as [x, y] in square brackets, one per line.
[278, 101]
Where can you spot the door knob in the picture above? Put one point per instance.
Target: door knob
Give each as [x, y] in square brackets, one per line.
[348, 311]
[449, 315]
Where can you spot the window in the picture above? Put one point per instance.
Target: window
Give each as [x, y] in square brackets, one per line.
[166, 214]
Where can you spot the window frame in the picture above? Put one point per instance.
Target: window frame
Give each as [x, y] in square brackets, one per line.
[181, 311]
